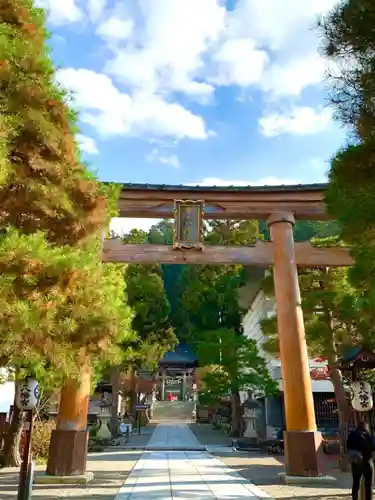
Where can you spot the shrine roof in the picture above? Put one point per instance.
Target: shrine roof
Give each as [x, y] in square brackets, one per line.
[181, 355]
[265, 188]
[358, 357]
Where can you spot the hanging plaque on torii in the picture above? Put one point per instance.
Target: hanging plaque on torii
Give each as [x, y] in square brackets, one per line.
[188, 229]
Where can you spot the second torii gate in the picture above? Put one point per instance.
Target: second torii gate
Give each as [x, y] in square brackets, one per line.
[280, 206]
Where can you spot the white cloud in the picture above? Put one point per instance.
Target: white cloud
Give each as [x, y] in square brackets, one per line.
[61, 12]
[230, 72]
[297, 121]
[115, 29]
[166, 52]
[123, 225]
[192, 46]
[87, 144]
[157, 157]
[160, 49]
[290, 77]
[95, 9]
[112, 112]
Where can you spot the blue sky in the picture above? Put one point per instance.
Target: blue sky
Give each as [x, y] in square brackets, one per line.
[196, 91]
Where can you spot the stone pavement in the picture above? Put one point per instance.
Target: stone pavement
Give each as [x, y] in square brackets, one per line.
[167, 475]
[182, 475]
[160, 474]
[174, 437]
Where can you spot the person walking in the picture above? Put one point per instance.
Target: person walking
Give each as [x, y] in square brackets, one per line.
[361, 446]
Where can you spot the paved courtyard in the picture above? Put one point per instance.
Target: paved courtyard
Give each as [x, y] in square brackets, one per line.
[174, 465]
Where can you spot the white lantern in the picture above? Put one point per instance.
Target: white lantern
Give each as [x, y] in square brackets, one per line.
[26, 394]
[361, 393]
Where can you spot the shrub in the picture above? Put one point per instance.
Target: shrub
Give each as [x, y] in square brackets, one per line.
[41, 437]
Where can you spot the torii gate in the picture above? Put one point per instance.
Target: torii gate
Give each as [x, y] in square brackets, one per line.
[280, 206]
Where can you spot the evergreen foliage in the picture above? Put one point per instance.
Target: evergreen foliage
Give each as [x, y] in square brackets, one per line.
[238, 366]
[151, 310]
[56, 302]
[58, 299]
[43, 184]
[348, 40]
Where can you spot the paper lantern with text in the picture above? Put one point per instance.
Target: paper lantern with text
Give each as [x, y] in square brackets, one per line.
[361, 395]
[26, 394]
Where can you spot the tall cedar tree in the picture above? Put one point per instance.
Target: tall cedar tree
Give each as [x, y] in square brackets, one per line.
[151, 313]
[43, 185]
[57, 300]
[348, 40]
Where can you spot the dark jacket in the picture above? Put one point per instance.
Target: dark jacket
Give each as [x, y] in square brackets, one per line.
[362, 442]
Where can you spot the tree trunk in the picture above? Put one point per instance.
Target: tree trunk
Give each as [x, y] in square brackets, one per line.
[343, 412]
[11, 455]
[236, 414]
[115, 382]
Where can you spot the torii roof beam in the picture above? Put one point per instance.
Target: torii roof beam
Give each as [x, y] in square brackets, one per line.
[233, 202]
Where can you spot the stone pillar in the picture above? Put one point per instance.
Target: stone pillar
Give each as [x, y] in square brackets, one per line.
[68, 446]
[303, 444]
[162, 392]
[184, 387]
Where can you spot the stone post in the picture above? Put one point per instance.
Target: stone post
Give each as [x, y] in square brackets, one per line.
[184, 387]
[303, 444]
[162, 392]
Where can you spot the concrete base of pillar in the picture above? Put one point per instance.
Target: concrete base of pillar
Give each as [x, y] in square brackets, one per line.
[67, 453]
[78, 479]
[303, 454]
[306, 480]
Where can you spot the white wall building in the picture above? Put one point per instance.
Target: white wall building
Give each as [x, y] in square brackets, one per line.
[6, 396]
[263, 307]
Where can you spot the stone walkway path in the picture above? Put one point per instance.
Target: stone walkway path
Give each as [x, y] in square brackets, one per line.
[183, 475]
[173, 437]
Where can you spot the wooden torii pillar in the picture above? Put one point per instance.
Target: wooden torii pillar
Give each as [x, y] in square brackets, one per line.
[303, 444]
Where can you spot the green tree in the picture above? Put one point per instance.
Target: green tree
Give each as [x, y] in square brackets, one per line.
[151, 313]
[58, 300]
[43, 184]
[209, 298]
[305, 230]
[239, 367]
[162, 234]
[348, 40]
